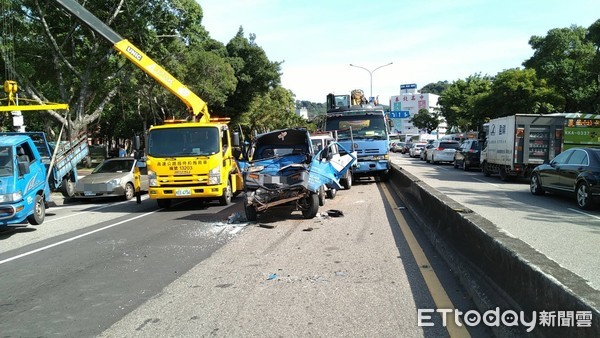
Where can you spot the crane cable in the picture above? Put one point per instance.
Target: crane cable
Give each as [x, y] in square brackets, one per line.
[8, 50]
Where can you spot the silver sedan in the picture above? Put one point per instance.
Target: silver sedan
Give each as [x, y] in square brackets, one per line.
[113, 177]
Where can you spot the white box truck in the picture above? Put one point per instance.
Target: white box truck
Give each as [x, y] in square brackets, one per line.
[516, 144]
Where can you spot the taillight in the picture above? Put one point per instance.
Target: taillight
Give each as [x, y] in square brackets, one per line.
[439, 148]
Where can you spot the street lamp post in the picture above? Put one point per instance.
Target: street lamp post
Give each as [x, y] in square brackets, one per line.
[371, 74]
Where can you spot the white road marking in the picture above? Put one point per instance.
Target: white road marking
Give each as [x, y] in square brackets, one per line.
[75, 238]
[494, 184]
[583, 213]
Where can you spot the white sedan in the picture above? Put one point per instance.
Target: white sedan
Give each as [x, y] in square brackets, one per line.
[442, 151]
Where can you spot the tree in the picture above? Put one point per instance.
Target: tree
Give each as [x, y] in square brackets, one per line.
[435, 88]
[256, 75]
[461, 102]
[565, 59]
[519, 91]
[271, 111]
[426, 120]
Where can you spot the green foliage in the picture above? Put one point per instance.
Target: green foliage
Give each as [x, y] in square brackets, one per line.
[565, 58]
[461, 102]
[271, 111]
[519, 91]
[435, 88]
[255, 73]
[426, 120]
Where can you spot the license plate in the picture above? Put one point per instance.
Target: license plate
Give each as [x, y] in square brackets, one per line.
[183, 192]
[88, 193]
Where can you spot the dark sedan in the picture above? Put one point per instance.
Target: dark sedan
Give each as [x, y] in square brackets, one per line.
[575, 171]
[467, 155]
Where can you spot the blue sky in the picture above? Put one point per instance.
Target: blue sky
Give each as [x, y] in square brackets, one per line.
[427, 41]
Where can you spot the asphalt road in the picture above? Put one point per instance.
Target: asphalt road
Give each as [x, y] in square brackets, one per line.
[118, 269]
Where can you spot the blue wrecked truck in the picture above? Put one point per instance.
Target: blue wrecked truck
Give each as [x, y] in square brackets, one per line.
[282, 168]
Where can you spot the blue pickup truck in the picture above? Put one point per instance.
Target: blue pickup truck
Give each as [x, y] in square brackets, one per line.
[30, 168]
[24, 189]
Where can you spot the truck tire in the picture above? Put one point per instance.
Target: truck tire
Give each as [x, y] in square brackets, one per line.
[503, 174]
[347, 181]
[331, 193]
[251, 213]
[164, 203]
[39, 211]
[129, 191]
[321, 196]
[486, 170]
[312, 209]
[225, 199]
[67, 188]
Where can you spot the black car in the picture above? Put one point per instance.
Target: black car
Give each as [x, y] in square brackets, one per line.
[575, 171]
[467, 155]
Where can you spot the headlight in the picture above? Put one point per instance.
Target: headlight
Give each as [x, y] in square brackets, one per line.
[115, 182]
[255, 169]
[214, 176]
[152, 181]
[15, 196]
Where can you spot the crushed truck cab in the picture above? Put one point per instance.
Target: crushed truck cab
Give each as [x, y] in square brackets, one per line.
[282, 168]
[24, 190]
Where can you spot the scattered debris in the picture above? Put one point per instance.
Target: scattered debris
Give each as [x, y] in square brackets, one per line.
[235, 218]
[401, 208]
[335, 213]
[308, 229]
[272, 276]
[266, 226]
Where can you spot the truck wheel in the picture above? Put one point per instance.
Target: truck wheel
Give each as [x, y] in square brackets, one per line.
[312, 206]
[535, 185]
[347, 181]
[486, 170]
[67, 188]
[583, 195]
[251, 214]
[321, 196]
[503, 175]
[164, 203]
[331, 193]
[225, 199]
[129, 191]
[455, 164]
[39, 211]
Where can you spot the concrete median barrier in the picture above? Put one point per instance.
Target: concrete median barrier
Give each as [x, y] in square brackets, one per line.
[523, 276]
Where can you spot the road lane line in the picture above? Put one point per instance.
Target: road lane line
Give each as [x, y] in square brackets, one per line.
[439, 295]
[483, 181]
[75, 238]
[583, 213]
[86, 211]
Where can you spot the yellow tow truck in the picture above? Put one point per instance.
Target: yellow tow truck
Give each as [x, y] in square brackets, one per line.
[185, 159]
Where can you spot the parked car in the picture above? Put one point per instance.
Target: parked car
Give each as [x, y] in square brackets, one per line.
[415, 149]
[575, 172]
[467, 155]
[113, 177]
[442, 151]
[423, 155]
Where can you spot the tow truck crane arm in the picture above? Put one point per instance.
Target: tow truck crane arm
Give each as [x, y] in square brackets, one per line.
[195, 104]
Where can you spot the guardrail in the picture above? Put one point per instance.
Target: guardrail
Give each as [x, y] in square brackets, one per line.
[475, 247]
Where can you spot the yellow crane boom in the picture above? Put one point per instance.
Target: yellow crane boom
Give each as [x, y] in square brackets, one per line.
[195, 104]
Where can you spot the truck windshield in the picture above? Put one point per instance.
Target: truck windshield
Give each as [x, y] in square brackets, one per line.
[183, 142]
[6, 161]
[363, 126]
